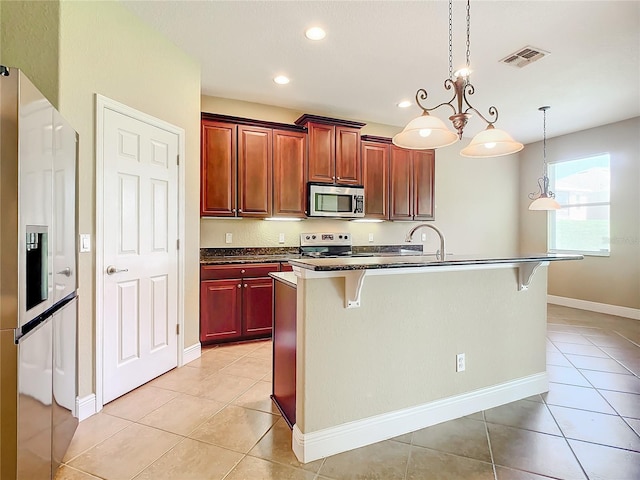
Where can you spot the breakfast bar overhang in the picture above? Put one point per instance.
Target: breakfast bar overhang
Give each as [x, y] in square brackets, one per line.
[377, 340]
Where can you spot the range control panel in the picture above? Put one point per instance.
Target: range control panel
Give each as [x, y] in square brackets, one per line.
[325, 239]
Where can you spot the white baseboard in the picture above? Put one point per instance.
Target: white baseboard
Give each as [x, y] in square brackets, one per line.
[330, 441]
[633, 313]
[191, 353]
[86, 406]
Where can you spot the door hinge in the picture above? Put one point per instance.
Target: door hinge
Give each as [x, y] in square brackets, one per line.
[177, 329]
[178, 244]
[178, 159]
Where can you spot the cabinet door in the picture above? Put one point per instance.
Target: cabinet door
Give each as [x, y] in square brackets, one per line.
[289, 155]
[400, 185]
[322, 145]
[218, 169]
[255, 165]
[375, 175]
[257, 301]
[423, 188]
[348, 165]
[220, 309]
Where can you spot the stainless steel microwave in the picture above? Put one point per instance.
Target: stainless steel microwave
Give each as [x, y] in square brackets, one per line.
[336, 201]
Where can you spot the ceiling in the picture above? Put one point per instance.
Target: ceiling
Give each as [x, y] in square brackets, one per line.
[377, 53]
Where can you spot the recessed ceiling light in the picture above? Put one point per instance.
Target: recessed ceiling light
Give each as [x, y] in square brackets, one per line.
[315, 33]
[404, 104]
[281, 80]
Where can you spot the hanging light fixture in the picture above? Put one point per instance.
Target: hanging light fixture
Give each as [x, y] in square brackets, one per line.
[544, 199]
[427, 132]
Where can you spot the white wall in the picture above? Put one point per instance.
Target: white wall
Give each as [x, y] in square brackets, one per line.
[613, 280]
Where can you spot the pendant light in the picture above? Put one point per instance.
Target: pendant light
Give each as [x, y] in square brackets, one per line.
[544, 199]
[428, 132]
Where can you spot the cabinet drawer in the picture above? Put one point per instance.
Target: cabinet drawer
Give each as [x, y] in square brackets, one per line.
[286, 267]
[214, 272]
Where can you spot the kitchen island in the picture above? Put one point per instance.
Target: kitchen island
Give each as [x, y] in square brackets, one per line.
[378, 339]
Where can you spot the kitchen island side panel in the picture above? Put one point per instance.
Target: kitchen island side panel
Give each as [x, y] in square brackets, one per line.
[398, 350]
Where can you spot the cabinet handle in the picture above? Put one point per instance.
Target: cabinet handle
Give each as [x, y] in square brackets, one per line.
[233, 210]
[242, 271]
[245, 285]
[338, 178]
[239, 210]
[239, 285]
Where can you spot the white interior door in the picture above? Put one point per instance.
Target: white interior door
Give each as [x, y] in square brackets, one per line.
[140, 257]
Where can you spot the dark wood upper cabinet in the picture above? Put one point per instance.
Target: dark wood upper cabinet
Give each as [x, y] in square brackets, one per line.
[289, 161]
[333, 150]
[218, 169]
[423, 184]
[400, 184]
[322, 145]
[237, 168]
[411, 186]
[348, 162]
[375, 176]
[255, 163]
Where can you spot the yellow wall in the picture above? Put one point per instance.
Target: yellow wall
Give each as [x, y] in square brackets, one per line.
[103, 48]
[29, 39]
[613, 280]
[476, 199]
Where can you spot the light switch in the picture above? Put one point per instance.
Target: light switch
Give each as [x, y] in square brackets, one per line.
[424, 237]
[371, 237]
[228, 237]
[281, 238]
[85, 242]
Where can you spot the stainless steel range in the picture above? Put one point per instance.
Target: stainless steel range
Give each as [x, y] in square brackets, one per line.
[323, 245]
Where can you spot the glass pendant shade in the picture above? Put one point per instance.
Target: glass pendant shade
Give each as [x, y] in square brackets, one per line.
[425, 132]
[544, 203]
[491, 142]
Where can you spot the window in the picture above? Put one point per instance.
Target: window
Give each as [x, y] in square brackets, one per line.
[582, 189]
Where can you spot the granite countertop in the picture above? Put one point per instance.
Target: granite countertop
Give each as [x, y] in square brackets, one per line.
[424, 260]
[227, 256]
[225, 260]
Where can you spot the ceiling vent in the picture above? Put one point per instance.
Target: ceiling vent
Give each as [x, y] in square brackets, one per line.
[524, 56]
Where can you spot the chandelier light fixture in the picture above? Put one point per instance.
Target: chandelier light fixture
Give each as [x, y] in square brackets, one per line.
[544, 199]
[429, 132]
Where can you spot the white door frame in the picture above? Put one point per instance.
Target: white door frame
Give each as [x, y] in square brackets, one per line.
[103, 103]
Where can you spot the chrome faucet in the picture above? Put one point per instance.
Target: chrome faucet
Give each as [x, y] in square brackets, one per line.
[435, 229]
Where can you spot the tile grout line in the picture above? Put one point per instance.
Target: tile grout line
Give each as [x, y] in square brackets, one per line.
[565, 437]
[486, 431]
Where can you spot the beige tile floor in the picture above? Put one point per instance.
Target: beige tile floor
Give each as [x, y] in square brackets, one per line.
[213, 419]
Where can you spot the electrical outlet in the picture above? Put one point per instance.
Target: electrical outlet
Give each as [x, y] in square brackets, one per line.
[460, 362]
[371, 237]
[424, 237]
[281, 238]
[228, 238]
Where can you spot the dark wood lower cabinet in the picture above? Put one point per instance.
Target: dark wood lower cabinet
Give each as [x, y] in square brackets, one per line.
[284, 350]
[257, 301]
[234, 305]
[220, 308]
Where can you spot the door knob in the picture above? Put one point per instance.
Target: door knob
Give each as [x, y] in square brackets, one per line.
[66, 272]
[111, 269]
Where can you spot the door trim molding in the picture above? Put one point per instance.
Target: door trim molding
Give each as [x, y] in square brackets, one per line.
[104, 103]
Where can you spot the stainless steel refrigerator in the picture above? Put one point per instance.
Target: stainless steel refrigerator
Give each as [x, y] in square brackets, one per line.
[38, 300]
